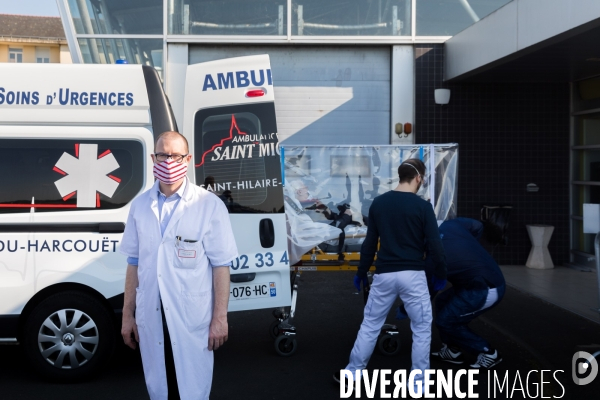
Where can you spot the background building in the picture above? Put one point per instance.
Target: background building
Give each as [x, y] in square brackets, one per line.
[30, 39]
[524, 103]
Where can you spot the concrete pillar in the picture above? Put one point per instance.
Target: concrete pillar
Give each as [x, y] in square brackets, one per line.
[176, 69]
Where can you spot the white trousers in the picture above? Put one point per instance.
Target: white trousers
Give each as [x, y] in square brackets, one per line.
[411, 287]
[491, 299]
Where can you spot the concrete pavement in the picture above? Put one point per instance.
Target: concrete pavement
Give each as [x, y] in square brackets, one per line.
[532, 335]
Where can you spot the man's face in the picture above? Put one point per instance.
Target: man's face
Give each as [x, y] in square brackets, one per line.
[419, 179]
[302, 193]
[173, 145]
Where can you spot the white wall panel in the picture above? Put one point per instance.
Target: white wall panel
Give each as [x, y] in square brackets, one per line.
[403, 92]
[488, 40]
[175, 79]
[323, 95]
[542, 19]
[514, 27]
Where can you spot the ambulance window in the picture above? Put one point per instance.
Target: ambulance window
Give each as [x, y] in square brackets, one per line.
[236, 156]
[69, 175]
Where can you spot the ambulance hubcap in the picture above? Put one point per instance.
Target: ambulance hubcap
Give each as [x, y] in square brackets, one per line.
[68, 339]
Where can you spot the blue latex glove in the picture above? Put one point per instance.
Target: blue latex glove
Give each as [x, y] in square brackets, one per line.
[401, 313]
[437, 283]
[358, 280]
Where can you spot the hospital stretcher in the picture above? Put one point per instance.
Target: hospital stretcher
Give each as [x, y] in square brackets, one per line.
[319, 259]
[283, 331]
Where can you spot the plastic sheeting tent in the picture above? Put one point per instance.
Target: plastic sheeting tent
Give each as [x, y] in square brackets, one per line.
[316, 177]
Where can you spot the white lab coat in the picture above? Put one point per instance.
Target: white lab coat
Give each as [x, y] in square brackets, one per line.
[179, 273]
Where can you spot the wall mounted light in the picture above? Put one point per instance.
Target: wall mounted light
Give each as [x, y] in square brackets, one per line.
[442, 96]
[400, 129]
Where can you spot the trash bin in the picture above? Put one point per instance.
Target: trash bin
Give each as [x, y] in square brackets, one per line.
[495, 222]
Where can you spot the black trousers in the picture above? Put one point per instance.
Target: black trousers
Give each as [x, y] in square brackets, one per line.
[169, 361]
[340, 220]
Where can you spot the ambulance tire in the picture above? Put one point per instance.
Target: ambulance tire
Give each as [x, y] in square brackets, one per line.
[85, 351]
[285, 346]
[274, 329]
[388, 345]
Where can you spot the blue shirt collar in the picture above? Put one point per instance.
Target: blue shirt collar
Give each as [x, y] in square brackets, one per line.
[178, 194]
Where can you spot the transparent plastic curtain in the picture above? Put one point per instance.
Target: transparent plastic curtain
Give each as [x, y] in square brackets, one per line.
[321, 183]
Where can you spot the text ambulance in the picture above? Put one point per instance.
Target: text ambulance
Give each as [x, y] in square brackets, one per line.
[75, 146]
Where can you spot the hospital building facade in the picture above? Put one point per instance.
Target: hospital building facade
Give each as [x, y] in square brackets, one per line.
[523, 79]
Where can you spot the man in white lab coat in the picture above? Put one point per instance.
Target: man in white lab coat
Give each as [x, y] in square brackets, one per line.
[179, 244]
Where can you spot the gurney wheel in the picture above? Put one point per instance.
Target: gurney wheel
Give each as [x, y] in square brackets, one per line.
[285, 346]
[274, 329]
[388, 345]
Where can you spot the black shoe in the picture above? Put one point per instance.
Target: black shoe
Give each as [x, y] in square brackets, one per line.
[337, 378]
[445, 354]
[487, 361]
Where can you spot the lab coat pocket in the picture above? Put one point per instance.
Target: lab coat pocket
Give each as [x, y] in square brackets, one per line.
[197, 309]
[139, 308]
[187, 254]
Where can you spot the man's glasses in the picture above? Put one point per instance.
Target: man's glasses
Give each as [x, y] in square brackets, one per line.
[160, 157]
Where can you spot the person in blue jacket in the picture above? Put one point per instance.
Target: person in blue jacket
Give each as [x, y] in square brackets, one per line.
[477, 285]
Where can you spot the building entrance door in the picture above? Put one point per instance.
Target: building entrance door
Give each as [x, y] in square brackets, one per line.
[585, 184]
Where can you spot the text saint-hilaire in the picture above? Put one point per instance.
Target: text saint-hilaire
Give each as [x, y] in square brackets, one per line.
[244, 151]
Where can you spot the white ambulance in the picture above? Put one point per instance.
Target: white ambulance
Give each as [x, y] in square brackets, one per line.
[75, 146]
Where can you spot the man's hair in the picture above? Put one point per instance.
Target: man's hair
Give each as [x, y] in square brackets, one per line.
[175, 134]
[407, 171]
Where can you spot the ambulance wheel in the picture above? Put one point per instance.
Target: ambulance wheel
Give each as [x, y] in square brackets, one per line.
[69, 336]
[274, 329]
[285, 346]
[388, 345]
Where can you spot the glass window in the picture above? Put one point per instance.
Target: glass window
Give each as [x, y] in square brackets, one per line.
[448, 17]
[583, 242]
[35, 173]
[351, 18]
[42, 54]
[237, 157]
[587, 130]
[586, 166]
[585, 187]
[340, 166]
[586, 94]
[138, 17]
[134, 51]
[228, 17]
[15, 55]
[586, 193]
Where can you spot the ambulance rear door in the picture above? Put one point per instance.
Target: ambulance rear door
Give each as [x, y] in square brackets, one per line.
[229, 121]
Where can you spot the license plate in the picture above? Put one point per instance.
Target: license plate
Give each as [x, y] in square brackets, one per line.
[252, 291]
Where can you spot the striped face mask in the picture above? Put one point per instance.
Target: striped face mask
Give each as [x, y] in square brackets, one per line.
[170, 172]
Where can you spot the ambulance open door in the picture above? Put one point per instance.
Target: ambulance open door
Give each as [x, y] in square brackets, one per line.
[229, 121]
